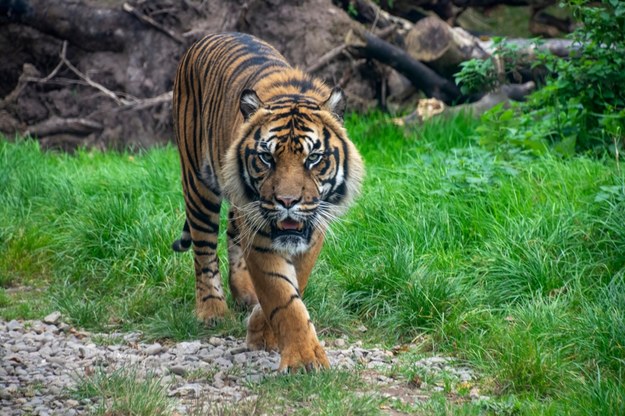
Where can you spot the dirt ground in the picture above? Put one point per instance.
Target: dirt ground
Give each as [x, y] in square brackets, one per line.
[134, 61]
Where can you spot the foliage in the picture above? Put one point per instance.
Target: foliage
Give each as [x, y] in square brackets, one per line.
[581, 107]
[479, 75]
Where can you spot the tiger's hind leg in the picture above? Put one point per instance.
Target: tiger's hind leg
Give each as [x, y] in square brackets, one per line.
[184, 242]
[239, 280]
[202, 208]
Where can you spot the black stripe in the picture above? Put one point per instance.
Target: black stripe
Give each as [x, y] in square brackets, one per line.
[207, 297]
[211, 229]
[200, 253]
[204, 244]
[281, 276]
[208, 204]
[279, 308]
[261, 249]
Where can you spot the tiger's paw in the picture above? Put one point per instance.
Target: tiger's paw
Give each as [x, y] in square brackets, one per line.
[306, 356]
[260, 336]
[242, 288]
[210, 310]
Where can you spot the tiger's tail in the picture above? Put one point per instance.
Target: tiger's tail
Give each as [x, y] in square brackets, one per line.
[184, 242]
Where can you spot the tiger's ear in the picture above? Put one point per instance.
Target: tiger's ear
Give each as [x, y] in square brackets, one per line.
[336, 103]
[250, 103]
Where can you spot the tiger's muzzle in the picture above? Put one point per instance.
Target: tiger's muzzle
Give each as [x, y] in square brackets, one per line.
[291, 227]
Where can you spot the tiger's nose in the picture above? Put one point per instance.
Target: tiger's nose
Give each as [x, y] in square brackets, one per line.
[288, 201]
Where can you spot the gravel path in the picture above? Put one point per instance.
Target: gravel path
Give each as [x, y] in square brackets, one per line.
[40, 362]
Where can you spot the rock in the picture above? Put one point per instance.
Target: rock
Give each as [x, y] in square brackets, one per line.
[178, 370]
[71, 403]
[237, 350]
[239, 358]
[154, 349]
[188, 348]
[14, 325]
[53, 318]
[217, 342]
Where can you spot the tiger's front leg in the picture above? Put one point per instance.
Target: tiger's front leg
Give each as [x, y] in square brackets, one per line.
[282, 319]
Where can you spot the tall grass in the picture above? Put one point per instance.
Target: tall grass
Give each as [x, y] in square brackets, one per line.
[516, 265]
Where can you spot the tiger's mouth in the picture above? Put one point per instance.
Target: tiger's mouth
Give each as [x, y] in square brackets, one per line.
[290, 227]
[290, 224]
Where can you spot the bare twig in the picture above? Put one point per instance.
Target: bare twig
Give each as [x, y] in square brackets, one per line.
[324, 59]
[148, 20]
[149, 102]
[92, 83]
[58, 66]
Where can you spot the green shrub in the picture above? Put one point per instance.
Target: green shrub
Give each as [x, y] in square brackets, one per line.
[581, 107]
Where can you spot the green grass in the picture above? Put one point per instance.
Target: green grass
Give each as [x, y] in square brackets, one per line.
[122, 392]
[514, 264]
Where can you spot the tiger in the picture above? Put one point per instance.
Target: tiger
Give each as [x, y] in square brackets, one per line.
[269, 139]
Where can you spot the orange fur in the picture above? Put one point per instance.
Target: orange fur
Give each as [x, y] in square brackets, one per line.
[268, 138]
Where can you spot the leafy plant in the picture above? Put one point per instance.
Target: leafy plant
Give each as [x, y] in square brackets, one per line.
[477, 75]
[582, 105]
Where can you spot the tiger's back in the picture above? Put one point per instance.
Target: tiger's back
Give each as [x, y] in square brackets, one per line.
[211, 77]
[269, 139]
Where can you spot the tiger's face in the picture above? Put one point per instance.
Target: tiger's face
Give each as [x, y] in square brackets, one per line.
[293, 170]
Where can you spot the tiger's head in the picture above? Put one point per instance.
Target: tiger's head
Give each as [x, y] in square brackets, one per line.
[292, 168]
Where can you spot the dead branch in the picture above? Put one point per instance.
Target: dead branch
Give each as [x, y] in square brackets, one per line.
[149, 102]
[148, 20]
[92, 83]
[326, 58]
[56, 125]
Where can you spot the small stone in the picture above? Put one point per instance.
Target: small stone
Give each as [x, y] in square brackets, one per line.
[53, 318]
[14, 325]
[239, 358]
[223, 363]
[217, 342]
[188, 348]
[237, 350]
[63, 327]
[339, 343]
[154, 349]
[178, 370]
[71, 403]
[188, 390]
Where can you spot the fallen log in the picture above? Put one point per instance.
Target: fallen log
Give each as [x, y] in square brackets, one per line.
[431, 107]
[431, 40]
[80, 23]
[422, 77]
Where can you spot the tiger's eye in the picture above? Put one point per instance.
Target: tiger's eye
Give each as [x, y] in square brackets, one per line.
[313, 159]
[266, 158]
